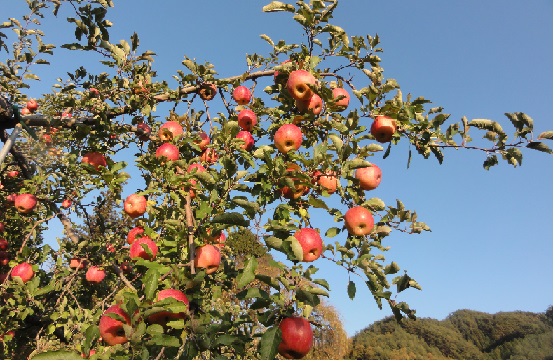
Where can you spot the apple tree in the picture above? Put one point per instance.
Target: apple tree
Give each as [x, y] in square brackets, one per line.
[148, 197]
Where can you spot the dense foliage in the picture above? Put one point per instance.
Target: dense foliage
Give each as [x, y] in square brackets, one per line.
[464, 334]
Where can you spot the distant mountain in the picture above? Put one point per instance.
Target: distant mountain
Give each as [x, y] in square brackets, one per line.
[464, 334]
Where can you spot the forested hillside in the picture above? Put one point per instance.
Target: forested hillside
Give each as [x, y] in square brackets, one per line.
[464, 334]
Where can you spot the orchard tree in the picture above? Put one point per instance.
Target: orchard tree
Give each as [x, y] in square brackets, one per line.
[295, 134]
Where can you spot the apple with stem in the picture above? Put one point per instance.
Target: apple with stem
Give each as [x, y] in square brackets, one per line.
[208, 257]
[138, 250]
[359, 221]
[134, 205]
[383, 128]
[111, 329]
[296, 337]
[95, 159]
[242, 95]
[170, 130]
[23, 271]
[247, 120]
[340, 99]
[313, 104]
[369, 177]
[163, 317]
[248, 139]
[311, 243]
[203, 141]
[327, 180]
[209, 156]
[95, 274]
[25, 203]
[298, 84]
[32, 105]
[288, 137]
[168, 151]
[134, 233]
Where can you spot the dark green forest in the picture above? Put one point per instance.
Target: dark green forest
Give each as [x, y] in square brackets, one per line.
[464, 334]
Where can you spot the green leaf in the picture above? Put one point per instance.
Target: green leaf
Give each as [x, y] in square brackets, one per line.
[546, 135]
[59, 355]
[317, 203]
[391, 268]
[164, 340]
[351, 289]
[150, 282]
[269, 343]
[230, 218]
[331, 232]
[278, 6]
[91, 334]
[539, 146]
[491, 160]
[248, 273]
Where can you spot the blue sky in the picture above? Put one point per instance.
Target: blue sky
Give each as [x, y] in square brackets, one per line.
[491, 246]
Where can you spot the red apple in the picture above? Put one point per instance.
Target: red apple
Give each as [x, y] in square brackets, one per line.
[209, 156]
[297, 84]
[25, 203]
[169, 151]
[196, 166]
[95, 274]
[95, 159]
[288, 137]
[207, 257]
[47, 139]
[242, 95]
[207, 91]
[111, 329]
[296, 337]
[3, 244]
[12, 174]
[143, 131]
[340, 104]
[326, 180]
[313, 104]
[66, 203]
[92, 352]
[8, 333]
[23, 271]
[11, 197]
[94, 92]
[300, 189]
[4, 258]
[369, 177]
[247, 120]
[134, 233]
[170, 130]
[311, 242]
[247, 137]
[77, 263]
[359, 221]
[137, 249]
[32, 105]
[110, 248]
[163, 317]
[383, 128]
[24, 111]
[134, 205]
[204, 141]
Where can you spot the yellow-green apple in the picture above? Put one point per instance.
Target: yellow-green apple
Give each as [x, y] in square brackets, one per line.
[95, 274]
[207, 91]
[25, 203]
[313, 104]
[3, 244]
[298, 84]
[207, 257]
[311, 243]
[247, 137]
[170, 130]
[168, 151]
[242, 95]
[299, 190]
[111, 329]
[247, 120]
[139, 246]
[32, 105]
[163, 317]
[77, 263]
[340, 99]
[134, 233]
[4, 258]
[134, 205]
[369, 177]
[327, 180]
[359, 221]
[383, 128]
[209, 156]
[143, 131]
[288, 137]
[296, 337]
[95, 159]
[203, 141]
[23, 271]
[66, 203]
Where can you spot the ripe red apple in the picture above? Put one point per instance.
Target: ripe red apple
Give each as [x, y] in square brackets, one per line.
[209, 156]
[137, 249]
[23, 271]
[207, 257]
[47, 139]
[169, 151]
[12, 174]
[327, 180]
[359, 221]
[313, 104]
[4, 258]
[288, 137]
[339, 105]
[196, 166]
[383, 128]
[24, 111]
[8, 333]
[11, 197]
[32, 105]
[92, 352]
[311, 242]
[134, 233]
[170, 130]
[111, 329]
[204, 140]
[163, 317]
[134, 205]
[242, 95]
[110, 248]
[143, 131]
[247, 120]
[94, 92]
[296, 337]
[220, 241]
[207, 91]
[297, 84]
[25, 203]
[95, 274]
[299, 190]
[247, 137]
[66, 203]
[3, 244]
[77, 263]
[95, 159]
[369, 177]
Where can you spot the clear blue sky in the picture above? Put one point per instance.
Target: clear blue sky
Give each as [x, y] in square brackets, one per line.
[491, 248]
